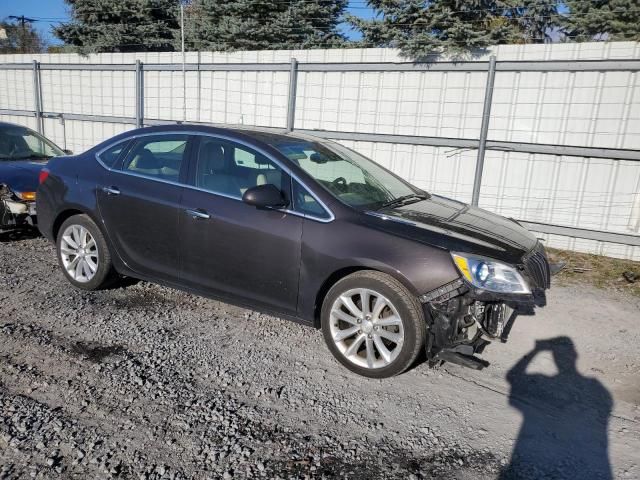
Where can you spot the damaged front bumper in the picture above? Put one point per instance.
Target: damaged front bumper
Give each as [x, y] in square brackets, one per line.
[15, 213]
[462, 319]
[462, 326]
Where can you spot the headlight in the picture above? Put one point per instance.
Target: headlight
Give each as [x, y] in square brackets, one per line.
[26, 196]
[490, 275]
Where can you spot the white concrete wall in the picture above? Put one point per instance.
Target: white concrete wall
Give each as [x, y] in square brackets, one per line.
[581, 108]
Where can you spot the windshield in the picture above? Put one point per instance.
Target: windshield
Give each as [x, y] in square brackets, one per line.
[349, 176]
[21, 143]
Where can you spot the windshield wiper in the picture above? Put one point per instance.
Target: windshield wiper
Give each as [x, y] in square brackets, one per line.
[406, 200]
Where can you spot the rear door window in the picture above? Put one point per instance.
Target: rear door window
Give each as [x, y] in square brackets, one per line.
[157, 156]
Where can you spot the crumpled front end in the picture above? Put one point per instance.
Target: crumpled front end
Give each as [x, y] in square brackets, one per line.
[463, 319]
[14, 211]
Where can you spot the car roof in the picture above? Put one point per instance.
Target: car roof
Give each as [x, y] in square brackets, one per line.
[8, 124]
[265, 135]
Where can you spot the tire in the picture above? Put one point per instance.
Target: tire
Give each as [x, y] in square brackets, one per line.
[403, 340]
[95, 253]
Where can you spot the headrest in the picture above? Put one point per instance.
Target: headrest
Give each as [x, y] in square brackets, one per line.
[261, 160]
[146, 160]
[210, 157]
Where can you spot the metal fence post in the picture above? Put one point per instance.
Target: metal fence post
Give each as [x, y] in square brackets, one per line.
[484, 130]
[293, 84]
[37, 97]
[198, 98]
[139, 94]
[64, 131]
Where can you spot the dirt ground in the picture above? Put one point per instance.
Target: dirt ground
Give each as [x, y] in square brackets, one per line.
[603, 272]
[149, 382]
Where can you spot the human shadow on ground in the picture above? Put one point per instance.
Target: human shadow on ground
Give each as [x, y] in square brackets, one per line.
[564, 429]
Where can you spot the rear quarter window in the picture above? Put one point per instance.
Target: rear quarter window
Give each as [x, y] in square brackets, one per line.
[110, 156]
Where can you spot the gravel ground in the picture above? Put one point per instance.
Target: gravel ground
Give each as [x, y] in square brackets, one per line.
[149, 382]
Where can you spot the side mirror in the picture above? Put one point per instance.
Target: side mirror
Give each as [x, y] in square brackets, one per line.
[68, 152]
[263, 196]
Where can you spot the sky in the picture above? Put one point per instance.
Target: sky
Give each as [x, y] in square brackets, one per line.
[51, 12]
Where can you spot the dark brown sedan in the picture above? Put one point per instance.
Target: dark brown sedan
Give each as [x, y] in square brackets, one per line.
[299, 227]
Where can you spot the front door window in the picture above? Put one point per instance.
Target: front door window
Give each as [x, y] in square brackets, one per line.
[230, 169]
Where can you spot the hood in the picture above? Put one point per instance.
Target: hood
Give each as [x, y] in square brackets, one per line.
[456, 226]
[21, 175]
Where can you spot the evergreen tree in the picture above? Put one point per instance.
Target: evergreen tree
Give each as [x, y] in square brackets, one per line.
[603, 20]
[422, 28]
[534, 21]
[20, 38]
[121, 25]
[264, 24]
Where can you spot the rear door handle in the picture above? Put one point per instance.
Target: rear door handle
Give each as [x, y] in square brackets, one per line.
[111, 190]
[198, 213]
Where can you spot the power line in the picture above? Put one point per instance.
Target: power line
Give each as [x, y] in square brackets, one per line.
[350, 7]
[306, 28]
[505, 12]
[23, 19]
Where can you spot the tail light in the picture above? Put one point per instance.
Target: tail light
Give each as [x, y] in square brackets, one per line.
[44, 174]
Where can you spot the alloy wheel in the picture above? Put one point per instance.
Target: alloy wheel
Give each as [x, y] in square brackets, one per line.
[366, 328]
[79, 253]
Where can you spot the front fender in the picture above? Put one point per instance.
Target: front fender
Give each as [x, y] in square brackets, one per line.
[344, 246]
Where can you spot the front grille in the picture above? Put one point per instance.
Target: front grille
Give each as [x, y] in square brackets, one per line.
[536, 266]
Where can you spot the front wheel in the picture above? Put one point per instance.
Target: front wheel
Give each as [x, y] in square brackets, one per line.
[372, 324]
[83, 254]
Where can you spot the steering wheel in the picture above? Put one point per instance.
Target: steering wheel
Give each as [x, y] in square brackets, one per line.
[340, 183]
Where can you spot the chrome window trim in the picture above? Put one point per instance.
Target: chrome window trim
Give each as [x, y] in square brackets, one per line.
[232, 197]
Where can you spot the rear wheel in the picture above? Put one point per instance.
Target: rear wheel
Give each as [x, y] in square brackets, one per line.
[83, 254]
[372, 324]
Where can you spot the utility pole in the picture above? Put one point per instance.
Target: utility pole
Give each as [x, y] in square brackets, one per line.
[23, 21]
[184, 71]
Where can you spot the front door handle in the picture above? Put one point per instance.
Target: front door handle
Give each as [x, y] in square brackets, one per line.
[198, 213]
[111, 190]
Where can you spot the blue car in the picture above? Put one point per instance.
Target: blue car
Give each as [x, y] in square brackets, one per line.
[23, 153]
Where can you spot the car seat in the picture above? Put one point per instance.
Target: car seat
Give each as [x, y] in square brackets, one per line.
[212, 171]
[268, 175]
[273, 177]
[145, 162]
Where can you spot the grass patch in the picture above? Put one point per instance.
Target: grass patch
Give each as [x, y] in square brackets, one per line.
[603, 272]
